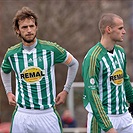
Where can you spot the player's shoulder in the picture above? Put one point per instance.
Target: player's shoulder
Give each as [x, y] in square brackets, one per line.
[94, 51]
[50, 45]
[118, 47]
[45, 42]
[14, 48]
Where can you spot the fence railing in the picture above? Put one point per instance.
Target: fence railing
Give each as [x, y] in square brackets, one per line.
[75, 130]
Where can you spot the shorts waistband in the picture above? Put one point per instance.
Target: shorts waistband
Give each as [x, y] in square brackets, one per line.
[114, 115]
[117, 115]
[34, 111]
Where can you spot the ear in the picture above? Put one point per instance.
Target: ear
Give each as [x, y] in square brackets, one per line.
[37, 28]
[108, 29]
[17, 31]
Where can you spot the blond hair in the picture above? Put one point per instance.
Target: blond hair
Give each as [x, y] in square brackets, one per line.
[107, 19]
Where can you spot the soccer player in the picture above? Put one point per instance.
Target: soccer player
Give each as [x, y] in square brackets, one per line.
[107, 85]
[33, 62]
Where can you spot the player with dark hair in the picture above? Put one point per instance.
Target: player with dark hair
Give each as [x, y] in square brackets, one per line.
[33, 62]
[107, 85]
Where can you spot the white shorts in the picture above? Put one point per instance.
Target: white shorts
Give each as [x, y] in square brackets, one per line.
[36, 121]
[122, 123]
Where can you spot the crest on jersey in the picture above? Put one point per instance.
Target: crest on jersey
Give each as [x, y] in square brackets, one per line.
[117, 77]
[32, 74]
[92, 81]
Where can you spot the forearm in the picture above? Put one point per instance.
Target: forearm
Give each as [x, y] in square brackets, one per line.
[71, 73]
[6, 79]
[129, 91]
[98, 111]
[129, 94]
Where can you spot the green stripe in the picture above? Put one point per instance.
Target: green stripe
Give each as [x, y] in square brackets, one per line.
[43, 81]
[13, 115]
[14, 47]
[105, 89]
[24, 85]
[120, 99]
[17, 67]
[100, 109]
[51, 44]
[33, 86]
[59, 119]
[95, 128]
[93, 61]
[113, 99]
[49, 61]
[20, 67]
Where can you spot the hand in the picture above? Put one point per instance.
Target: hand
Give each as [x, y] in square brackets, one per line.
[112, 130]
[11, 99]
[61, 97]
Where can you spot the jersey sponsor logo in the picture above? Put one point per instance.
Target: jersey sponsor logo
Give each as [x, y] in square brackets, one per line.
[32, 74]
[117, 77]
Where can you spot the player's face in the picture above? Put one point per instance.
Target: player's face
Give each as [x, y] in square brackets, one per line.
[27, 30]
[118, 31]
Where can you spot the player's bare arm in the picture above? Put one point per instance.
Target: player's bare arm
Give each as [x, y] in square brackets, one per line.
[112, 130]
[11, 99]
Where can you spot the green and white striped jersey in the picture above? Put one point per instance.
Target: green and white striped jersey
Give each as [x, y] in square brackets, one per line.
[107, 85]
[34, 70]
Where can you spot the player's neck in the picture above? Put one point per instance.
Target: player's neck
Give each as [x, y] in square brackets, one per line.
[107, 43]
[29, 44]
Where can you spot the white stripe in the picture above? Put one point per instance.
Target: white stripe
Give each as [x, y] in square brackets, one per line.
[117, 59]
[117, 98]
[21, 88]
[89, 122]
[46, 77]
[53, 75]
[123, 98]
[11, 63]
[28, 85]
[101, 81]
[114, 66]
[38, 83]
[122, 56]
[108, 85]
[111, 58]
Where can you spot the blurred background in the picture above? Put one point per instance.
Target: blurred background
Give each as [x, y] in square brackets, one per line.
[73, 24]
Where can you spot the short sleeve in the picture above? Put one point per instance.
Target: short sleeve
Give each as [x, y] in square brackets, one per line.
[60, 54]
[6, 66]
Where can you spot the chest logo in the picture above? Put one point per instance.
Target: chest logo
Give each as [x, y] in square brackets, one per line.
[32, 74]
[117, 77]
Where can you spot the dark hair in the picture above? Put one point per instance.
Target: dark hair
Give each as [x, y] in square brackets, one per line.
[22, 14]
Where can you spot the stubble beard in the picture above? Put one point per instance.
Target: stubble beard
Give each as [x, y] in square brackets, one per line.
[28, 41]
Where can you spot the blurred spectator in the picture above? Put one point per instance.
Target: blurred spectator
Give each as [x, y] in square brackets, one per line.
[67, 120]
[5, 127]
[0, 117]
